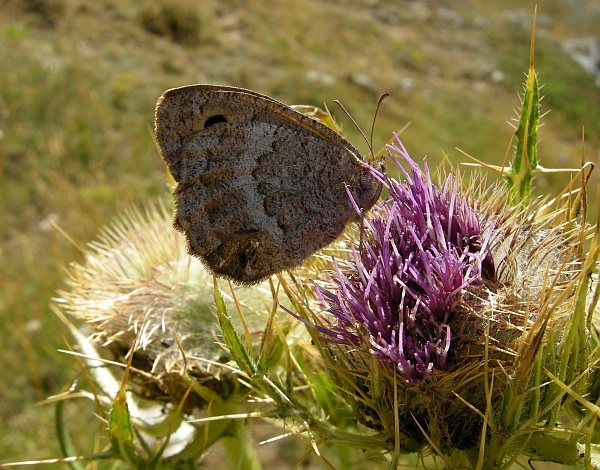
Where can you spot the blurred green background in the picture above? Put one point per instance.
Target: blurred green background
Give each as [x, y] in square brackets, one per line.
[79, 80]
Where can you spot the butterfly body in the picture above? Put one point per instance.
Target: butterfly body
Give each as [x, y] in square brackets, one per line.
[259, 186]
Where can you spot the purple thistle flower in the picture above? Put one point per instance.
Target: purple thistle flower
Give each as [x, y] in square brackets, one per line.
[422, 247]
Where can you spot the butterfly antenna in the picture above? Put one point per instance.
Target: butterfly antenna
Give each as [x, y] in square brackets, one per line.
[355, 124]
[383, 97]
[371, 154]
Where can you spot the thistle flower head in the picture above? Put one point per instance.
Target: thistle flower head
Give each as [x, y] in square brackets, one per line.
[443, 287]
[422, 248]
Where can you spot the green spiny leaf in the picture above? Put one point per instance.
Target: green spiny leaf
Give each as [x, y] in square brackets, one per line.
[525, 158]
[238, 351]
[120, 431]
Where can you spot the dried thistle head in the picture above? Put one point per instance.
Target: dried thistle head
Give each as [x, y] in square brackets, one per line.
[140, 291]
[151, 303]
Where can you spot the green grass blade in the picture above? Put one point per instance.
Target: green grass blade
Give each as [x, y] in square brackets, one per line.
[64, 440]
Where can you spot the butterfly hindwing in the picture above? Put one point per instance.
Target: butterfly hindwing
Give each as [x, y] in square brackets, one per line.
[260, 187]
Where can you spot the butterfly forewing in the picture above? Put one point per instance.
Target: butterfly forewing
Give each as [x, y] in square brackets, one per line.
[260, 187]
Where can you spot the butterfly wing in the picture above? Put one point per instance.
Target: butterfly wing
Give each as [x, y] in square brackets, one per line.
[260, 187]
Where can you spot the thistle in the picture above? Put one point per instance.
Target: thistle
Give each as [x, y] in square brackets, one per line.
[444, 313]
[458, 323]
[151, 305]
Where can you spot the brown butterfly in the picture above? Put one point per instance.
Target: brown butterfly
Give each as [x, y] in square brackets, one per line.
[259, 186]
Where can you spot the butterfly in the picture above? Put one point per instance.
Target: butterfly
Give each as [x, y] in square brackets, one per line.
[259, 186]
